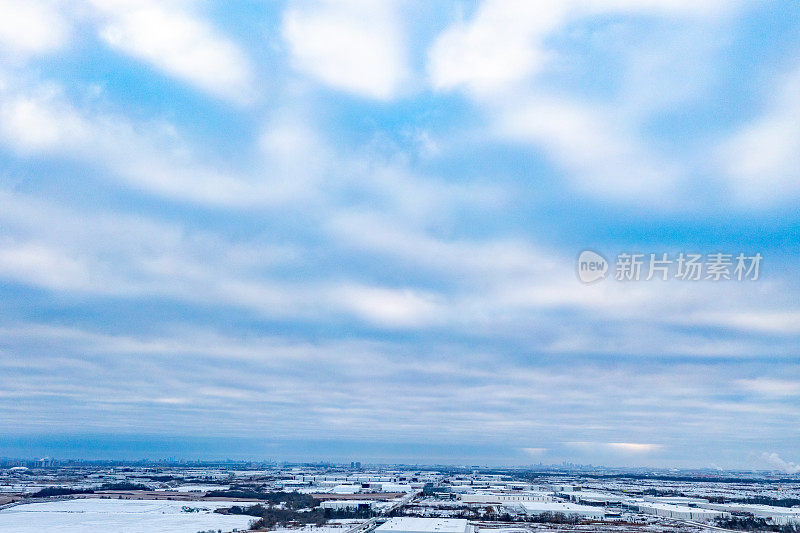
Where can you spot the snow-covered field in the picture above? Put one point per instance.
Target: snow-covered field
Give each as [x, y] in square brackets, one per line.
[120, 516]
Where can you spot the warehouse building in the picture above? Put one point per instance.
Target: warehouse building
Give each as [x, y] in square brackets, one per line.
[348, 505]
[498, 497]
[592, 498]
[424, 525]
[585, 511]
[776, 515]
[679, 511]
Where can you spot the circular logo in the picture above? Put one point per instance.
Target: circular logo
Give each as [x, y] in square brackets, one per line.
[591, 266]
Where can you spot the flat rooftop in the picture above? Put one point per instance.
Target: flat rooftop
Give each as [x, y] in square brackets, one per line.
[424, 525]
[678, 508]
[558, 507]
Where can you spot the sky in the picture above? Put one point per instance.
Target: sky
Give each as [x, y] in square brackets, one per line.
[348, 230]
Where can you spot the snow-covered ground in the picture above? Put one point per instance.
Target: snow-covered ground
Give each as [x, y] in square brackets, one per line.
[120, 516]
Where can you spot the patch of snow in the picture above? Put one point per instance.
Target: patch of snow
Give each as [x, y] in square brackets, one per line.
[94, 515]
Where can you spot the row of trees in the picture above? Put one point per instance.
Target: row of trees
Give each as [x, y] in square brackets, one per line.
[289, 500]
[490, 514]
[751, 523]
[286, 508]
[66, 491]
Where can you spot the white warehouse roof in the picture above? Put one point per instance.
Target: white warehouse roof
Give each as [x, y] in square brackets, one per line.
[778, 514]
[506, 497]
[424, 525]
[346, 504]
[566, 508]
[678, 511]
[346, 489]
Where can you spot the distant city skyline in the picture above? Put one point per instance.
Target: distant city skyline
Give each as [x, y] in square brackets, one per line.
[351, 230]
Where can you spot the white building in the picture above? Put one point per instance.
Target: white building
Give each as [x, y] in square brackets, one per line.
[349, 505]
[424, 525]
[592, 497]
[289, 483]
[500, 497]
[586, 511]
[676, 500]
[776, 515]
[679, 511]
[392, 487]
[346, 489]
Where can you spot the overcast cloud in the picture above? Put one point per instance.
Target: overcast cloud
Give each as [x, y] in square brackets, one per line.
[347, 230]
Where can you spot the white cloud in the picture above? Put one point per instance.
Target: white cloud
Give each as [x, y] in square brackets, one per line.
[37, 120]
[682, 8]
[32, 27]
[535, 452]
[487, 261]
[785, 466]
[129, 257]
[394, 308]
[402, 390]
[498, 56]
[634, 447]
[518, 282]
[625, 448]
[177, 41]
[769, 387]
[43, 265]
[497, 48]
[292, 148]
[354, 45]
[597, 150]
[505, 41]
[760, 160]
[776, 322]
[293, 162]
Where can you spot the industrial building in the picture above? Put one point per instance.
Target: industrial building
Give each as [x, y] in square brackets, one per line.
[592, 498]
[776, 515]
[348, 505]
[535, 508]
[424, 525]
[679, 511]
[496, 497]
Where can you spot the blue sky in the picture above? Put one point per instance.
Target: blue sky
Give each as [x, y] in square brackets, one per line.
[348, 230]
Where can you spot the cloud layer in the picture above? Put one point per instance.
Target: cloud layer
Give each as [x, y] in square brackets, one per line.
[346, 221]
